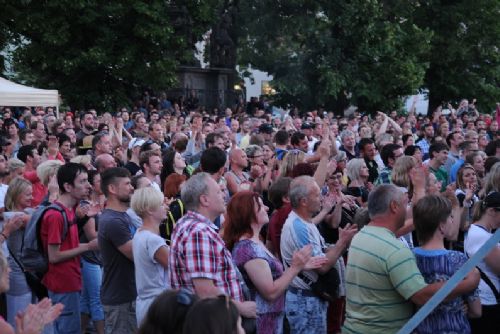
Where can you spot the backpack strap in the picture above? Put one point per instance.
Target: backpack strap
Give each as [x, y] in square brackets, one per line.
[58, 208]
[172, 219]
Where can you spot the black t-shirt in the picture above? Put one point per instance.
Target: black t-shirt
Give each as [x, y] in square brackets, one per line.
[372, 170]
[90, 256]
[118, 281]
[132, 167]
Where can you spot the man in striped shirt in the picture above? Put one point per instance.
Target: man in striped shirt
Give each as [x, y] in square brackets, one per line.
[382, 278]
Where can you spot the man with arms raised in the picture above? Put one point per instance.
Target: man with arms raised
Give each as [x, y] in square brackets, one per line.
[382, 278]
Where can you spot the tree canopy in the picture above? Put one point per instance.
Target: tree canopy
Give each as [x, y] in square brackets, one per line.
[464, 60]
[372, 53]
[102, 54]
[330, 53]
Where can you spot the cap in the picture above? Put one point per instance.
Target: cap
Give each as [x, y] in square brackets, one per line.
[492, 200]
[266, 128]
[306, 125]
[135, 142]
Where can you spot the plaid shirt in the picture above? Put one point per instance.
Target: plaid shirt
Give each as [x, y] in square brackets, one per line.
[197, 251]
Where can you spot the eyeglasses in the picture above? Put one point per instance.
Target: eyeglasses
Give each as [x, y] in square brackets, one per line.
[338, 177]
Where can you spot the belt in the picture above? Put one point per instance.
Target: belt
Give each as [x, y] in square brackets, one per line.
[302, 292]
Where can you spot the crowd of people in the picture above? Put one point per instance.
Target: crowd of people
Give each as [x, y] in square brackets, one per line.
[167, 218]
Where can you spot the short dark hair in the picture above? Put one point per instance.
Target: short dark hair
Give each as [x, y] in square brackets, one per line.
[212, 137]
[281, 137]
[437, 147]
[34, 125]
[109, 177]
[25, 152]
[296, 138]
[62, 138]
[491, 148]
[92, 173]
[212, 160]
[449, 137]
[86, 112]
[67, 173]
[388, 152]
[23, 133]
[365, 141]
[97, 138]
[406, 137]
[410, 150]
[428, 213]
[278, 190]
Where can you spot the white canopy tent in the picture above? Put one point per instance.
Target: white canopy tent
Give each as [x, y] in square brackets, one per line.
[16, 95]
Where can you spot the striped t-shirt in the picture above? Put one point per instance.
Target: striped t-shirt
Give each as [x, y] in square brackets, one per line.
[381, 276]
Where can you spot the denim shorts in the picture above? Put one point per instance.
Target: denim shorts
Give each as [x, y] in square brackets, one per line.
[69, 320]
[90, 302]
[305, 314]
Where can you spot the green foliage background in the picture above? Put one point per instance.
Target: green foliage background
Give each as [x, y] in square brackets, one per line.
[329, 53]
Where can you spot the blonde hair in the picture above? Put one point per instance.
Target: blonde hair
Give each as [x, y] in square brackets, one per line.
[82, 159]
[290, 160]
[14, 164]
[47, 169]
[400, 173]
[16, 187]
[146, 199]
[354, 167]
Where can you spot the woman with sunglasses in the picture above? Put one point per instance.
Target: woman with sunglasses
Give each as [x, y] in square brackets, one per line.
[486, 217]
[263, 273]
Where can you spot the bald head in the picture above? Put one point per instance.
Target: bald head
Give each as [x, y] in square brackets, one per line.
[104, 161]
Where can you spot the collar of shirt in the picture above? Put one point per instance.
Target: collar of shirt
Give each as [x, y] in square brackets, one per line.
[201, 218]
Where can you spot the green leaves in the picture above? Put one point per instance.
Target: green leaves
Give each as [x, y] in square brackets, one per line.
[104, 54]
[319, 52]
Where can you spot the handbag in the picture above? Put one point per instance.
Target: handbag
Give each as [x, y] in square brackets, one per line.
[326, 286]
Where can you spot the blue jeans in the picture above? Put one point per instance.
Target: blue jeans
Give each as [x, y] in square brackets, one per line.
[90, 301]
[305, 314]
[69, 320]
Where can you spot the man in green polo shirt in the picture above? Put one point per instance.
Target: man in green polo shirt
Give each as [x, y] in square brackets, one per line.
[382, 278]
[438, 154]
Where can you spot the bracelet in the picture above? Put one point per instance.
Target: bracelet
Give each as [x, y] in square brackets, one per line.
[3, 235]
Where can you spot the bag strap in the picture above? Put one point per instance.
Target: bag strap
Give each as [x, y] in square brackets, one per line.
[15, 258]
[489, 283]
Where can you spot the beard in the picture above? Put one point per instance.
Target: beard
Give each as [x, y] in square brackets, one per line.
[89, 127]
[125, 199]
